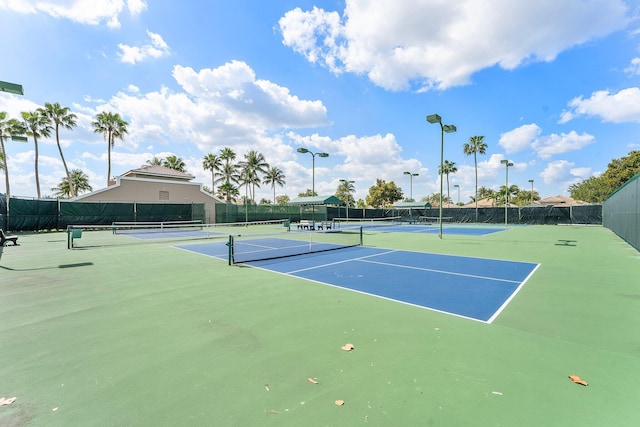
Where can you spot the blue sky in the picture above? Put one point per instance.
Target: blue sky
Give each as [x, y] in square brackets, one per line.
[553, 86]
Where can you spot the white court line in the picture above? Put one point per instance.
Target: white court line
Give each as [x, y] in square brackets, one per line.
[442, 271]
[513, 294]
[339, 262]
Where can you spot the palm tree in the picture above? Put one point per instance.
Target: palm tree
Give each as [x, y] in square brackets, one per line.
[345, 188]
[256, 165]
[245, 178]
[229, 171]
[8, 129]
[447, 168]
[505, 193]
[249, 178]
[37, 125]
[155, 161]
[475, 146]
[274, 176]
[60, 116]
[67, 189]
[212, 163]
[174, 162]
[112, 127]
[227, 190]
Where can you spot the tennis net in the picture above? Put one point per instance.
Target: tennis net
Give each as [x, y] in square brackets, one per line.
[90, 236]
[247, 248]
[133, 227]
[366, 223]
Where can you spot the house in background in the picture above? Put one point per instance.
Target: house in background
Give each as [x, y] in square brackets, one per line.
[152, 183]
[560, 201]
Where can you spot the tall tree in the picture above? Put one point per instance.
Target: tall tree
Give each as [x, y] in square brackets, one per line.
[67, 189]
[37, 125]
[282, 200]
[344, 192]
[383, 194]
[448, 168]
[475, 146]
[155, 161]
[256, 165]
[212, 163]
[112, 127]
[507, 194]
[227, 190]
[8, 128]
[274, 176]
[174, 162]
[229, 172]
[61, 116]
[597, 189]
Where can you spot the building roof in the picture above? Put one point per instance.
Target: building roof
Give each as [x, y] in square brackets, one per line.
[560, 200]
[316, 200]
[482, 203]
[156, 171]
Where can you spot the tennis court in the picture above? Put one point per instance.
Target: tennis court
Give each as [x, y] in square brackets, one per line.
[474, 288]
[397, 225]
[126, 331]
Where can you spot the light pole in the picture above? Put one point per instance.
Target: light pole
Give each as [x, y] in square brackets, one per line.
[506, 163]
[313, 166]
[531, 181]
[347, 185]
[434, 118]
[411, 175]
[458, 187]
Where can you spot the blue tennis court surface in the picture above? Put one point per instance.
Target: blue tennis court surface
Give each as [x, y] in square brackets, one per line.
[474, 288]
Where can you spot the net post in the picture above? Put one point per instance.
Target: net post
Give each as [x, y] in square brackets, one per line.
[69, 241]
[361, 236]
[230, 245]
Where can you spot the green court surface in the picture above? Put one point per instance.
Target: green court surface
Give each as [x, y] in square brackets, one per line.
[149, 335]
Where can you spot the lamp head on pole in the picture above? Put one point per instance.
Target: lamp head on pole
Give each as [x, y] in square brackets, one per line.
[323, 154]
[302, 150]
[434, 118]
[449, 128]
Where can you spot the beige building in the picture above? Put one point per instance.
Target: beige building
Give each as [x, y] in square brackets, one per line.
[154, 184]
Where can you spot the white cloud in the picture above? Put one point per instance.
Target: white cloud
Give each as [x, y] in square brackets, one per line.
[582, 173]
[557, 171]
[435, 43]
[94, 12]
[136, 6]
[562, 173]
[550, 145]
[620, 107]
[528, 137]
[134, 54]
[232, 96]
[520, 138]
[634, 67]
